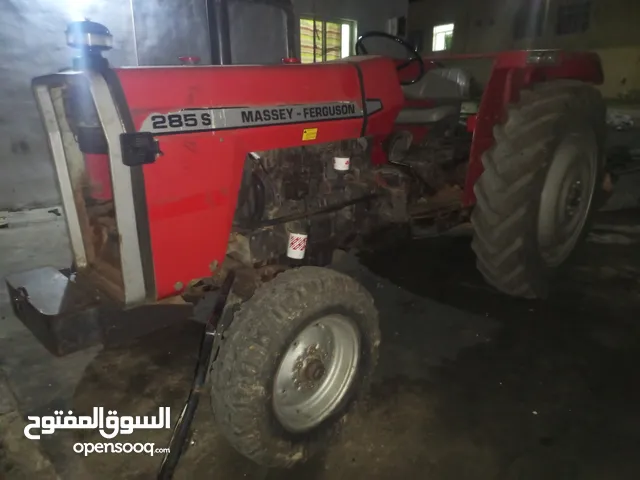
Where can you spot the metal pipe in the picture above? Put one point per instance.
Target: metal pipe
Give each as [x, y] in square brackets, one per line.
[135, 38]
[291, 21]
[219, 37]
[209, 347]
[292, 29]
[299, 216]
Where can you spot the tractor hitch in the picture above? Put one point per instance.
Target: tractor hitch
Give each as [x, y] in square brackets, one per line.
[217, 323]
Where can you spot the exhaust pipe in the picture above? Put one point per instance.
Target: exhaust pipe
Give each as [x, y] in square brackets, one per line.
[219, 37]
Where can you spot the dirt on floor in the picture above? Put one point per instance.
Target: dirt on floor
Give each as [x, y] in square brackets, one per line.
[471, 384]
[19, 457]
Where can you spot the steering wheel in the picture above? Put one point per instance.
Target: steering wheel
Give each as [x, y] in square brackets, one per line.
[414, 55]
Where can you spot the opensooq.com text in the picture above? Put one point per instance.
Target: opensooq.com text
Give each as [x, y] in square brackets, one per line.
[89, 448]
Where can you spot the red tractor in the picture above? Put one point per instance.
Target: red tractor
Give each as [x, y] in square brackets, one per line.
[239, 183]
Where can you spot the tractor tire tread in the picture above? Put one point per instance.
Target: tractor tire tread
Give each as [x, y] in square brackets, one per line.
[260, 327]
[506, 192]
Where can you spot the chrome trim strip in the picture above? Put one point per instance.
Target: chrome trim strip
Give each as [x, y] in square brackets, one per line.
[132, 274]
[45, 103]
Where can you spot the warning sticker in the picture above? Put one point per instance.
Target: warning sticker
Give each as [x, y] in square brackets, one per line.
[309, 134]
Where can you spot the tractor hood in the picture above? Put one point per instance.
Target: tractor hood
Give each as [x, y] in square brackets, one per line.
[149, 160]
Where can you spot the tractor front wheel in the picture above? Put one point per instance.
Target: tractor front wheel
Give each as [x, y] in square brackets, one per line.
[293, 363]
[540, 183]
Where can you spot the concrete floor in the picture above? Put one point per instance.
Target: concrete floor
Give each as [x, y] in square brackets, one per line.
[471, 384]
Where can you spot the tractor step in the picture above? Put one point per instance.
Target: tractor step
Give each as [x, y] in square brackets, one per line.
[65, 317]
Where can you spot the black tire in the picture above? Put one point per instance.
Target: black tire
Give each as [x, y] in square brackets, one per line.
[262, 330]
[509, 190]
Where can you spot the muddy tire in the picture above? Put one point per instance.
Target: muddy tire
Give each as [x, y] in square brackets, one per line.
[294, 362]
[541, 181]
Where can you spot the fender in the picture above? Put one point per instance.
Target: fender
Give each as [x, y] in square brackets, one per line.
[512, 72]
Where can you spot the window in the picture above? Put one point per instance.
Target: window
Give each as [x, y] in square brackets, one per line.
[322, 41]
[573, 17]
[529, 20]
[442, 37]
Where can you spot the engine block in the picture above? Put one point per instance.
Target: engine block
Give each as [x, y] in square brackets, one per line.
[300, 190]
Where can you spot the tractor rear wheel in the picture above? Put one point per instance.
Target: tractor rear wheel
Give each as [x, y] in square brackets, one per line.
[293, 363]
[540, 184]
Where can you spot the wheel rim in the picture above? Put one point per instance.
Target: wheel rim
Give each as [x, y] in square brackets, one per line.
[566, 198]
[316, 372]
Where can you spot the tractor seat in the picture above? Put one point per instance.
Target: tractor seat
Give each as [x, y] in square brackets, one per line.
[448, 87]
[440, 83]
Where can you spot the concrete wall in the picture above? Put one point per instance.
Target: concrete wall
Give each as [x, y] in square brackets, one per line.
[33, 44]
[622, 72]
[488, 26]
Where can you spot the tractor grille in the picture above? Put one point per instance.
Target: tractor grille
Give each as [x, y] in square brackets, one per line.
[88, 190]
